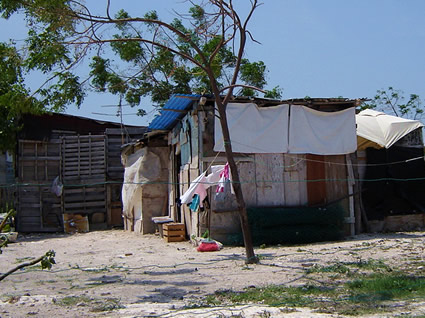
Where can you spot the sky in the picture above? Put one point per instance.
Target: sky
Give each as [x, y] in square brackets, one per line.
[326, 48]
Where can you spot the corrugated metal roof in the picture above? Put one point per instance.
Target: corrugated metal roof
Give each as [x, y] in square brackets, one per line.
[173, 110]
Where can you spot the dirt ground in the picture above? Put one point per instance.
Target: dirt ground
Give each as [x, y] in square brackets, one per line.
[121, 274]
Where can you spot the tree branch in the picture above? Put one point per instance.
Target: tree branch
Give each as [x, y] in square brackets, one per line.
[46, 262]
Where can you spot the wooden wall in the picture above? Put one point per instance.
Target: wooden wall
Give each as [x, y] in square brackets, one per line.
[89, 167]
[268, 180]
[83, 173]
[39, 210]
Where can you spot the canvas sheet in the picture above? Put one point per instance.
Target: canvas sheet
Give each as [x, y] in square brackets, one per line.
[322, 133]
[255, 130]
[383, 129]
[288, 129]
[141, 167]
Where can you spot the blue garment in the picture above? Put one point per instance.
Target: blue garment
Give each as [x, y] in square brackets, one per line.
[194, 206]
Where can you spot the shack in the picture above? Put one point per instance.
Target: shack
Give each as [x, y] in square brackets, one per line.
[294, 159]
[69, 165]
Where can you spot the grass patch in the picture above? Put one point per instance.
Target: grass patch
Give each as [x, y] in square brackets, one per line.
[73, 300]
[367, 294]
[272, 295]
[344, 267]
[379, 287]
[96, 305]
[108, 304]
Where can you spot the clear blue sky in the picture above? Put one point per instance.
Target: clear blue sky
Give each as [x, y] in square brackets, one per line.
[316, 48]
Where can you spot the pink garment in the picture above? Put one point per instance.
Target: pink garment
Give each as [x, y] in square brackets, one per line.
[198, 186]
[218, 176]
[224, 176]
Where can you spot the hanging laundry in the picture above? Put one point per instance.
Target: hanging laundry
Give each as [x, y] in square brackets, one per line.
[224, 176]
[198, 186]
[219, 174]
[214, 177]
[194, 206]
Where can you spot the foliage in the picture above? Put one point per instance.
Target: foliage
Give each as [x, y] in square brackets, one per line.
[61, 33]
[48, 260]
[393, 102]
[13, 95]
[43, 55]
[159, 72]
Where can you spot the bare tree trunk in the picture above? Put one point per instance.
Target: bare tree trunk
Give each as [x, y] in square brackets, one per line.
[251, 258]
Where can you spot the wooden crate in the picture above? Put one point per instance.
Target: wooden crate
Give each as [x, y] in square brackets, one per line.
[174, 232]
[75, 223]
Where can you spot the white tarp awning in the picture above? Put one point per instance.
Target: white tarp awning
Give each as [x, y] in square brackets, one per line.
[288, 129]
[383, 129]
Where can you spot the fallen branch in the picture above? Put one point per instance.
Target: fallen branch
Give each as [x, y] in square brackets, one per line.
[47, 260]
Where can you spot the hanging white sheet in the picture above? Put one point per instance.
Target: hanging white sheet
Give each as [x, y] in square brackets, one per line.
[322, 133]
[253, 129]
[265, 130]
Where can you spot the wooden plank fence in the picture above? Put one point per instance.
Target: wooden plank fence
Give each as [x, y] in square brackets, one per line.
[39, 210]
[83, 174]
[85, 164]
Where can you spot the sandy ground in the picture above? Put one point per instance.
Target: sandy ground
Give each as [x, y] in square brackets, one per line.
[143, 276]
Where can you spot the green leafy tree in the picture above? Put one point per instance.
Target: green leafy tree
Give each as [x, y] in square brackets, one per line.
[158, 72]
[200, 52]
[42, 54]
[393, 102]
[64, 33]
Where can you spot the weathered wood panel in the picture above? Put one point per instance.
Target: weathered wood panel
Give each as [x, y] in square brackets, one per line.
[270, 183]
[38, 209]
[114, 205]
[84, 174]
[336, 176]
[83, 158]
[316, 184]
[247, 175]
[294, 176]
[85, 200]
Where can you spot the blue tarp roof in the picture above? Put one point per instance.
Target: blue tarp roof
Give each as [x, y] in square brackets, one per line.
[173, 110]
